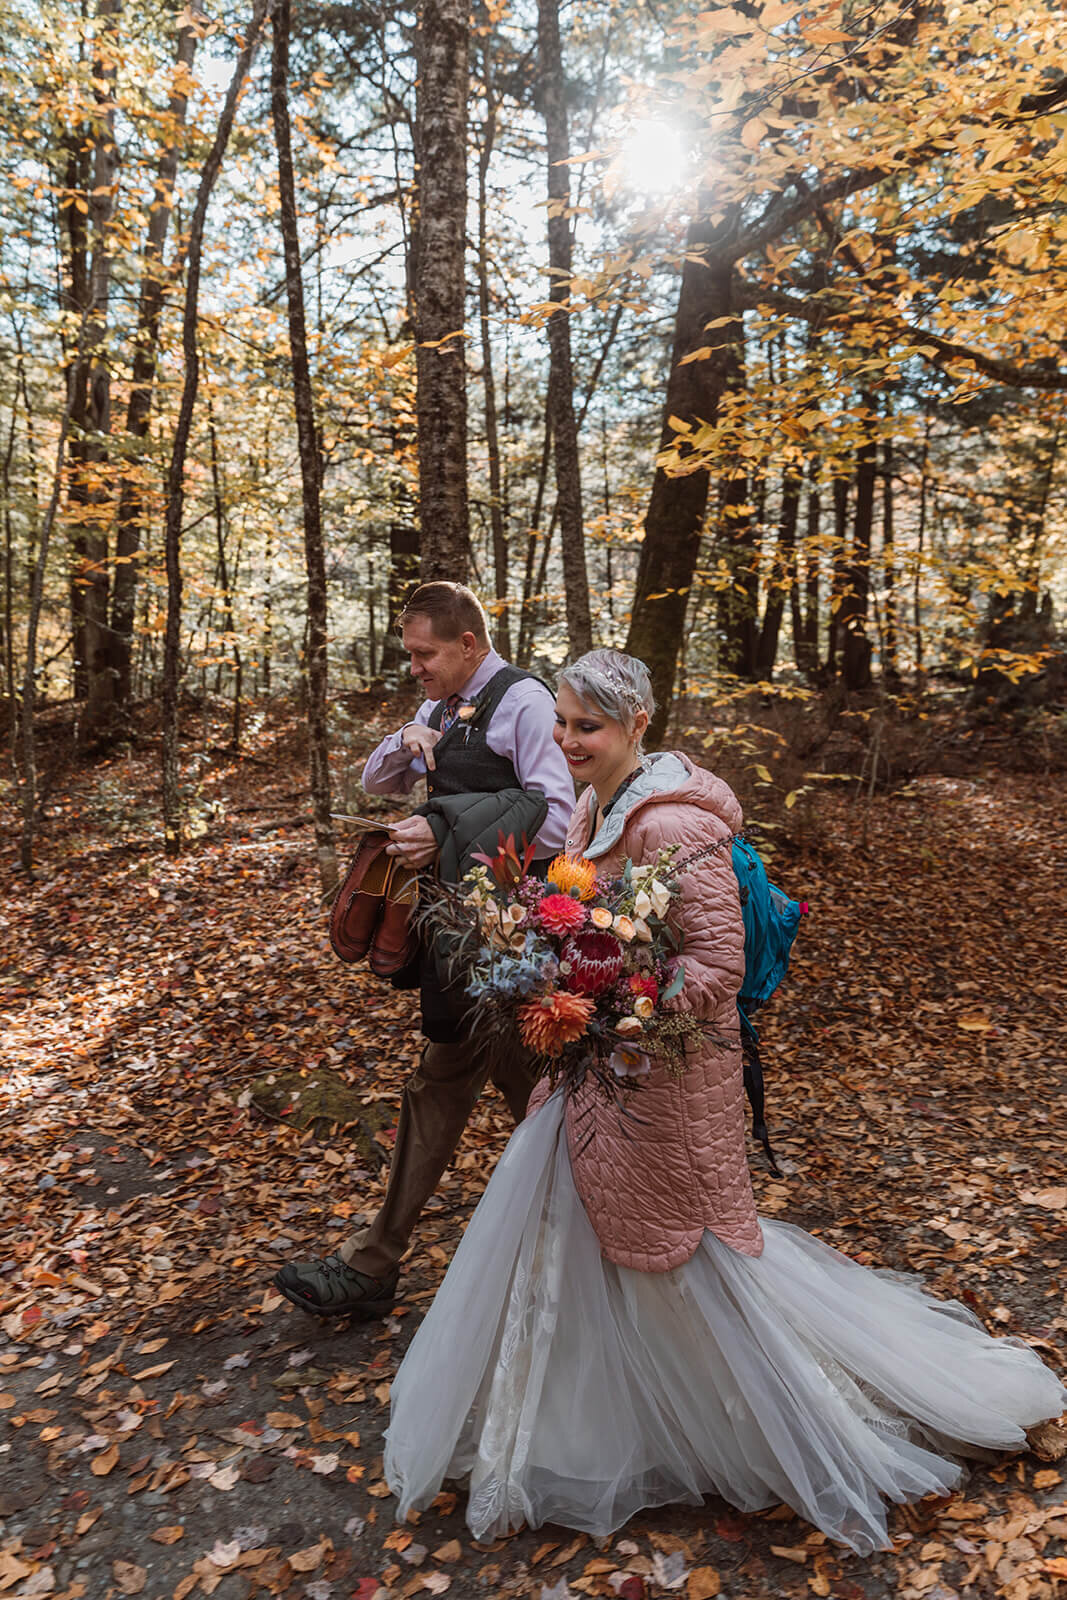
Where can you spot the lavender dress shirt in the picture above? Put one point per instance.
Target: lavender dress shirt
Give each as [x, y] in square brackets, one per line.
[521, 731]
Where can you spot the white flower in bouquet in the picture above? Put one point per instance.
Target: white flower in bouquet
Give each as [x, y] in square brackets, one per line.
[626, 1062]
[660, 896]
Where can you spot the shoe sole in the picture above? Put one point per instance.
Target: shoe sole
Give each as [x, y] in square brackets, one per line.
[361, 1310]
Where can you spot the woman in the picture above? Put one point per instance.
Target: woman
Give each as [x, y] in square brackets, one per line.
[617, 1330]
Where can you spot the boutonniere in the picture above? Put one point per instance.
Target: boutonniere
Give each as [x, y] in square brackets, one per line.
[465, 715]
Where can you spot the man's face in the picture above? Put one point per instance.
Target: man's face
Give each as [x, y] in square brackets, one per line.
[442, 666]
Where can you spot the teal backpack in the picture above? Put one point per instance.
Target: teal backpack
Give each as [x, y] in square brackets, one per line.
[771, 924]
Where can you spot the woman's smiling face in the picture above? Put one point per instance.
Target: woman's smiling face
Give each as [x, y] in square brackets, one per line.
[597, 747]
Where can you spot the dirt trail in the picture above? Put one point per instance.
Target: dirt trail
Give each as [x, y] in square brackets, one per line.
[167, 1426]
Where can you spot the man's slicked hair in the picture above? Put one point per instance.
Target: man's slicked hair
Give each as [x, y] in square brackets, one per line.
[451, 609]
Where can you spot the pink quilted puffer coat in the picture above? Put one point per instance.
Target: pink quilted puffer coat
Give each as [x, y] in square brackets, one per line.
[651, 1186]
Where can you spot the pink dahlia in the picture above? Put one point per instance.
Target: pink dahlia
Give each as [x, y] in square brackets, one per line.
[560, 914]
[595, 959]
[644, 983]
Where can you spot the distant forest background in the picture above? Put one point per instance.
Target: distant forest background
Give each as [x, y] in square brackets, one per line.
[732, 337]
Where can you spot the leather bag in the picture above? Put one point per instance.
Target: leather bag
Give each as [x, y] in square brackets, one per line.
[371, 915]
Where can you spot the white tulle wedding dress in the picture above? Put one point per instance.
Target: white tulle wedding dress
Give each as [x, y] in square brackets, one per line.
[562, 1388]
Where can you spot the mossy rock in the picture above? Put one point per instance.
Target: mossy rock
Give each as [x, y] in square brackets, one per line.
[325, 1102]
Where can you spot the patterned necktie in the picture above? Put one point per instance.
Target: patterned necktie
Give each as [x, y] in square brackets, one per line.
[450, 714]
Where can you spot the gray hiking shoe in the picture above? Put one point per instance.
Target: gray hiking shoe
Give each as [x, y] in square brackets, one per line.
[331, 1288]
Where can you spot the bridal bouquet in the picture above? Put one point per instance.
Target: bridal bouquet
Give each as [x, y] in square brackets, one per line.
[579, 968]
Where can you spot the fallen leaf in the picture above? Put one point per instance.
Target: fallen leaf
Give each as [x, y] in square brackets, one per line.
[1049, 1199]
[308, 1559]
[102, 1464]
[704, 1584]
[152, 1372]
[669, 1572]
[1048, 1440]
[12, 1569]
[170, 1533]
[224, 1555]
[130, 1578]
[225, 1478]
[452, 1551]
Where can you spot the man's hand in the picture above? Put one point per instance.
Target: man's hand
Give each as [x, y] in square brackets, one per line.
[412, 839]
[420, 741]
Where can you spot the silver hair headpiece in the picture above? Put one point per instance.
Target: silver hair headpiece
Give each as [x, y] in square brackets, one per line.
[625, 691]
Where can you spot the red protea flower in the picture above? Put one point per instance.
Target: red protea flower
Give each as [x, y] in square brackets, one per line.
[644, 983]
[595, 961]
[553, 1020]
[561, 914]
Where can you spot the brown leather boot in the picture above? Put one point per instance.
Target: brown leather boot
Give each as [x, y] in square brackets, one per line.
[395, 940]
[360, 902]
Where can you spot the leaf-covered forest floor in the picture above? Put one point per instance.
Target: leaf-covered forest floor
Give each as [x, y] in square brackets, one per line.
[169, 1426]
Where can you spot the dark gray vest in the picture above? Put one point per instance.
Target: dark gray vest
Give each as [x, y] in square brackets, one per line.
[464, 761]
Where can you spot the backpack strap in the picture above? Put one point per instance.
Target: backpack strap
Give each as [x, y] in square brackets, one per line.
[752, 1068]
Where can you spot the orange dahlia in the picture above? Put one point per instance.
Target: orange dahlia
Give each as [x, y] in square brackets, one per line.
[552, 1021]
[560, 914]
[573, 874]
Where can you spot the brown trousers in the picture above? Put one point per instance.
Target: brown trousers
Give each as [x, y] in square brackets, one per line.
[438, 1099]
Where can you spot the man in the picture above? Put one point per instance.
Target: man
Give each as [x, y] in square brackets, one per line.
[494, 725]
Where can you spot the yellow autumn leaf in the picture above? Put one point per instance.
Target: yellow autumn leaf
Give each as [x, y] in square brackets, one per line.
[752, 133]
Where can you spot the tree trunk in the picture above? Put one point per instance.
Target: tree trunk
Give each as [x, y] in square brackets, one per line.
[890, 667]
[175, 500]
[310, 462]
[89, 494]
[133, 509]
[9, 552]
[806, 642]
[783, 580]
[561, 389]
[838, 573]
[440, 356]
[77, 179]
[674, 522]
[528, 610]
[920, 550]
[228, 621]
[502, 628]
[856, 645]
[737, 605]
[29, 679]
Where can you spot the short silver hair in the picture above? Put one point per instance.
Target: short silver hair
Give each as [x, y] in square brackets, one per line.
[617, 684]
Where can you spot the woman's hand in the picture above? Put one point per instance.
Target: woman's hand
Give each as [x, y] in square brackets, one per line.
[413, 842]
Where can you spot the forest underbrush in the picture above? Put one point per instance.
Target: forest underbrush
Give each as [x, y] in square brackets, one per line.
[173, 1037]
